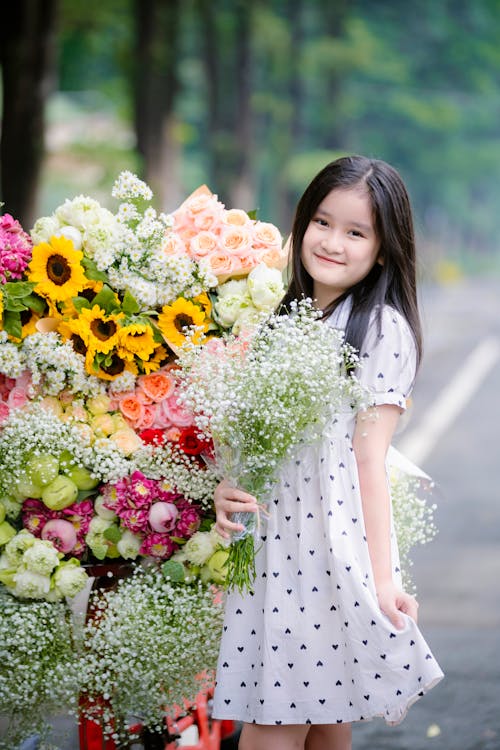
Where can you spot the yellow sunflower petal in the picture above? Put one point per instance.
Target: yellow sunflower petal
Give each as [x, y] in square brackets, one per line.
[175, 321]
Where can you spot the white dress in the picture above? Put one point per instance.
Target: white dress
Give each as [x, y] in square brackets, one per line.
[310, 645]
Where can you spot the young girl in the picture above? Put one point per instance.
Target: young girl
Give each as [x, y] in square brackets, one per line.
[327, 636]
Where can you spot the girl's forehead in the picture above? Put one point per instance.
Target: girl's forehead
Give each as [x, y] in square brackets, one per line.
[351, 199]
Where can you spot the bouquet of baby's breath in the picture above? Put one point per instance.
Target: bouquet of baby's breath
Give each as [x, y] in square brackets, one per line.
[259, 396]
[151, 645]
[38, 666]
[413, 517]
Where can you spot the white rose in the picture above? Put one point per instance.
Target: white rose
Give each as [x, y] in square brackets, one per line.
[200, 547]
[71, 233]
[80, 212]
[30, 585]
[70, 578]
[234, 288]
[265, 286]
[229, 308]
[129, 545]
[44, 229]
[42, 557]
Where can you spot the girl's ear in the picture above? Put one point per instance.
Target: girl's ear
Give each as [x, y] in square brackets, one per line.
[380, 260]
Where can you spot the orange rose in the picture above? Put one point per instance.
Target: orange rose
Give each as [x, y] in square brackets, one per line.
[131, 408]
[275, 259]
[157, 385]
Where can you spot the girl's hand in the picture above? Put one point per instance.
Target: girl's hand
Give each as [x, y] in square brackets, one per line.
[230, 500]
[392, 601]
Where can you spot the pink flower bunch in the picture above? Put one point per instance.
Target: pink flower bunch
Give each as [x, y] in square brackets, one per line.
[228, 239]
[160, 517]
[154, 404]
[66, 529]
[15, 249]
[13, 393]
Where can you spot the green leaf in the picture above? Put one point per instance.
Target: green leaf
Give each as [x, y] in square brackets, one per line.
[130, 305]
[113, 534]
[84, 494]
[15, 305]
[253, 214]
[12, 323]
[92, 272]
[35, 303]
[18, 288]
[173, 570]
[106, 299]
[80, 303]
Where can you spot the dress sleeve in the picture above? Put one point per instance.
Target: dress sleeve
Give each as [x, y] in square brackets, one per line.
[388, 359]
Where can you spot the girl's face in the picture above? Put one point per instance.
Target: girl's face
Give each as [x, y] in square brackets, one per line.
[340, 246]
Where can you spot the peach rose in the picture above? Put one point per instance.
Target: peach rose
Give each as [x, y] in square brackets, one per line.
[173, 434]
[203, 244]
[275, 258]
[236, 240]
[236, 217]
[266, 235]
[173, 245]
[222, 263]
[131, 407]
[126, 440]
[157, 385]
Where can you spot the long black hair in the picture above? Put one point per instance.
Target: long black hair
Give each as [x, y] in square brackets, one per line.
[393, 281]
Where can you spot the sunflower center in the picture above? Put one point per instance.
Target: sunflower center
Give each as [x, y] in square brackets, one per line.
[103, 329]
[26, 316]
[58, 269]
[116, 367]
[183, 321]
[78, 344]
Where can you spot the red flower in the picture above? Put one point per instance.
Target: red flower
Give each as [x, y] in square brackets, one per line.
[152, 436]
[191, 442]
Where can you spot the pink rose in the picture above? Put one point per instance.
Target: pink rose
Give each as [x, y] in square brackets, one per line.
[173, 245]
[148, 417]
[17, 398]
[4, 412]
[236, 240]
[236, 217]
[266, 235]
[222, 263]
[203, 244]
[177, 414]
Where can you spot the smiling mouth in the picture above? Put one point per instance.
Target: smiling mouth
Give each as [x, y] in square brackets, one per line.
[330, 260]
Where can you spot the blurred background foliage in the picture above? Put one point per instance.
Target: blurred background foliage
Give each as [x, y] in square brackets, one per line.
[253, 98]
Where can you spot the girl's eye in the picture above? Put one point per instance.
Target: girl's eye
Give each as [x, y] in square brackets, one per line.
[321, 222]
[355, 233]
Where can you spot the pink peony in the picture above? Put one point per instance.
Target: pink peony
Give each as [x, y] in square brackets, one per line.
[158, 545]
[61, 533]
[162, 516]
[134, 519]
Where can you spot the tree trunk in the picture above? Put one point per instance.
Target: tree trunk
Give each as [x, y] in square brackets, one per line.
[26, 57]
[155, 89]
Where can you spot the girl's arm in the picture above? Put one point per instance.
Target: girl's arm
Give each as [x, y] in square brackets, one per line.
[372, 437]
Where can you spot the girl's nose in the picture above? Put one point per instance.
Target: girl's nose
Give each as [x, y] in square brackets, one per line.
[332, 243]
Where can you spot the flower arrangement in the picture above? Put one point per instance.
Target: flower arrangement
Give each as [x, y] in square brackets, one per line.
[258, 396]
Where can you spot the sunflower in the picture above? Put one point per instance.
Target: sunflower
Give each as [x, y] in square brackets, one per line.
[97, 330]
[136, 339]
[90, 290]
[56, 269]
[204, 300]
[110, 367]
[69, 331]
[176, 319]
[162, 356]
[29, 319]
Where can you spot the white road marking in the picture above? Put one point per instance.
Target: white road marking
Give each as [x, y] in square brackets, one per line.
[418, 444]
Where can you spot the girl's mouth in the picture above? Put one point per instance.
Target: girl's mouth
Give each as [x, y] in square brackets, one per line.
[329, 260]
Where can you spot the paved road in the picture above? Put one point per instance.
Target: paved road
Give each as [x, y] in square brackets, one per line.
[458, 574]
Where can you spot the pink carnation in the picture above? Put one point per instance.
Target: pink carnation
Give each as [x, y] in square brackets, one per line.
[135, 491]
[135, 519]
[15, 249]
[188, 523]
[158, 545]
